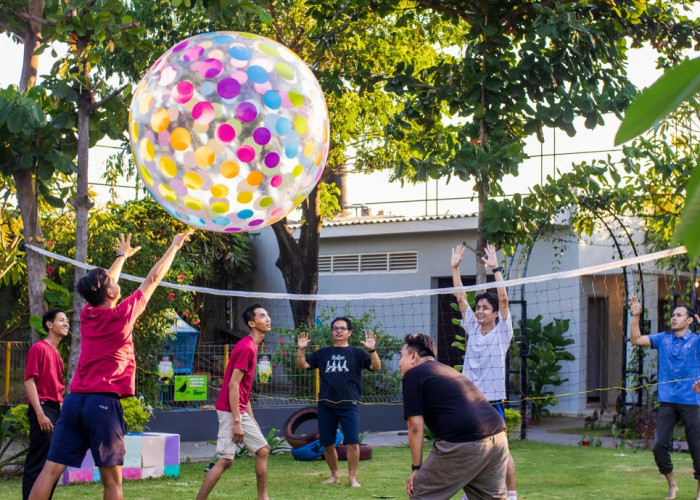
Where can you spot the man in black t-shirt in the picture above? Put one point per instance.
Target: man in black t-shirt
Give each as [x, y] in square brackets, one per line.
[470, 451]
[340, 368]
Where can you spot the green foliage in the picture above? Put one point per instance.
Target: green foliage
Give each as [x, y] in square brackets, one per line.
[18, 420]
[9, 435]
[546, 349]
[387, 383]
[277, 444]
[136, 413]
[513, 421]
[210, 260]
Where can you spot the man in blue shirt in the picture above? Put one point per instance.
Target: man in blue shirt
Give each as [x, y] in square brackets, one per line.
[679, 368]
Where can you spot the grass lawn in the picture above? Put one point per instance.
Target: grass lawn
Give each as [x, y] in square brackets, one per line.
[545, 471]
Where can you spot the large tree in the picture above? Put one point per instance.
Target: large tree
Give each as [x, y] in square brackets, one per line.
[333, 48]
[90, 29]
[513, 69]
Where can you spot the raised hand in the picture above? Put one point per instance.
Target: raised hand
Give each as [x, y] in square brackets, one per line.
[123, 246]
[370, 340]
[181, 238]
[696, 386]
[457, 254]
[635, 306]
[490, 258]
[303, 340]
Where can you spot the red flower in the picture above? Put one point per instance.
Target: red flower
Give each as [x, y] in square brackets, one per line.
[274, 366]
[171, 296]
[281, 341]
[155, 257]
[50, 270]
[186, 313]
[181, 276]
[196, 322]
[284, 353]
[49, 244]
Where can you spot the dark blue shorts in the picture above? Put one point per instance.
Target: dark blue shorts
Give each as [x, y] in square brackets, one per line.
[89, 421]
[498, 406]
[328, 419]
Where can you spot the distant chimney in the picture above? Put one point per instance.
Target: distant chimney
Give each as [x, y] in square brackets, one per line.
[339, 177]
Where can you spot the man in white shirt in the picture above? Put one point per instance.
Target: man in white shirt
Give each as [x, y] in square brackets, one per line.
[489, 329]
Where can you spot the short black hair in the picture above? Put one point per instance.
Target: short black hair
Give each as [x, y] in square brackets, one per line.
[342, 318]
[491, 297]
[249, 313]
[689, 311]
[49, 316]
[420, 343]
[93, 286]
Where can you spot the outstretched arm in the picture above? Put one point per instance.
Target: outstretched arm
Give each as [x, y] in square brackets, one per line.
[124, 251]
[302, 344]
[370, 343]
[457, 254]
[160, 269]
[491, 260]
[636, 336]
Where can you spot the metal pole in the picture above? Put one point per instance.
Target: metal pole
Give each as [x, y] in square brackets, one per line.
[317, 376]
[8, 351]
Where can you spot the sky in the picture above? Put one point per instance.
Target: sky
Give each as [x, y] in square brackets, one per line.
[376, 191]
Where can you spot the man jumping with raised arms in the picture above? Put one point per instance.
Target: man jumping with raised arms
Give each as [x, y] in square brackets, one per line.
[488, 341]
[92, 417]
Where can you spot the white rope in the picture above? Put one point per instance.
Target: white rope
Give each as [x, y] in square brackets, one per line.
[389, 295]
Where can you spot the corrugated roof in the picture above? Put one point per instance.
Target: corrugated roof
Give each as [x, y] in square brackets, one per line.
[382, 219]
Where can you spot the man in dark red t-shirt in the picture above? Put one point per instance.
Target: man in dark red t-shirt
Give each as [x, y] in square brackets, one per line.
[43, 381]
[236, 421]
[92, 417]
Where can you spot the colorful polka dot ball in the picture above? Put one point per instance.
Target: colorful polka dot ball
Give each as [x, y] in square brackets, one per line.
[229, 131]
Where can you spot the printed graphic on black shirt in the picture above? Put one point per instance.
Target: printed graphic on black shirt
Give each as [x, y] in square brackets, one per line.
[337, 363]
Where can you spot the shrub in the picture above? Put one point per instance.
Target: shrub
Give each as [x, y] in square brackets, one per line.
[18, 420]
[387, 383]
[513, 422]
[136, 413]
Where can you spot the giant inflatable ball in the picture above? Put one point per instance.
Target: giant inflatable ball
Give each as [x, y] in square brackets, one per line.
[229, 131]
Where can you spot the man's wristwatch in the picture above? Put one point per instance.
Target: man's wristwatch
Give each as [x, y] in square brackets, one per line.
[415, 467]
[371, 350]
[120, 254]
[498, 269]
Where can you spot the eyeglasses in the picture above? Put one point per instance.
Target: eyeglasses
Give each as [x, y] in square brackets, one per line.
[339, 329]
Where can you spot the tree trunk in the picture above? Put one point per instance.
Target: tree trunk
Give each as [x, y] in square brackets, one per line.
[24, 181]
[480, 267]
[36, 263]
[82, 206]
[298, 259]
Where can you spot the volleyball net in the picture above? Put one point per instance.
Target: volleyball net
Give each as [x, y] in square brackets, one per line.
[569, 353]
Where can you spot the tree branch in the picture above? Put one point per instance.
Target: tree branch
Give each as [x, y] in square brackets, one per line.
[35, 19]
[99, 104]
[13, 30]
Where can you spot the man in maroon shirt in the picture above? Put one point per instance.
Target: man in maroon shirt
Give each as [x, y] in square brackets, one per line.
[91, 417]
[236, 421]
[43, 380]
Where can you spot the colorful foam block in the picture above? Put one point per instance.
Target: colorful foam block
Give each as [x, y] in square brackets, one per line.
[148, 454]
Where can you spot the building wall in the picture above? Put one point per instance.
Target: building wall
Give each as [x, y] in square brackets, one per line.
[433, 240]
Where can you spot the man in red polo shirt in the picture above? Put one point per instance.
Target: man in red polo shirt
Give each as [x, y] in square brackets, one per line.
[236, 421]
[43, 381]
[92, 417]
